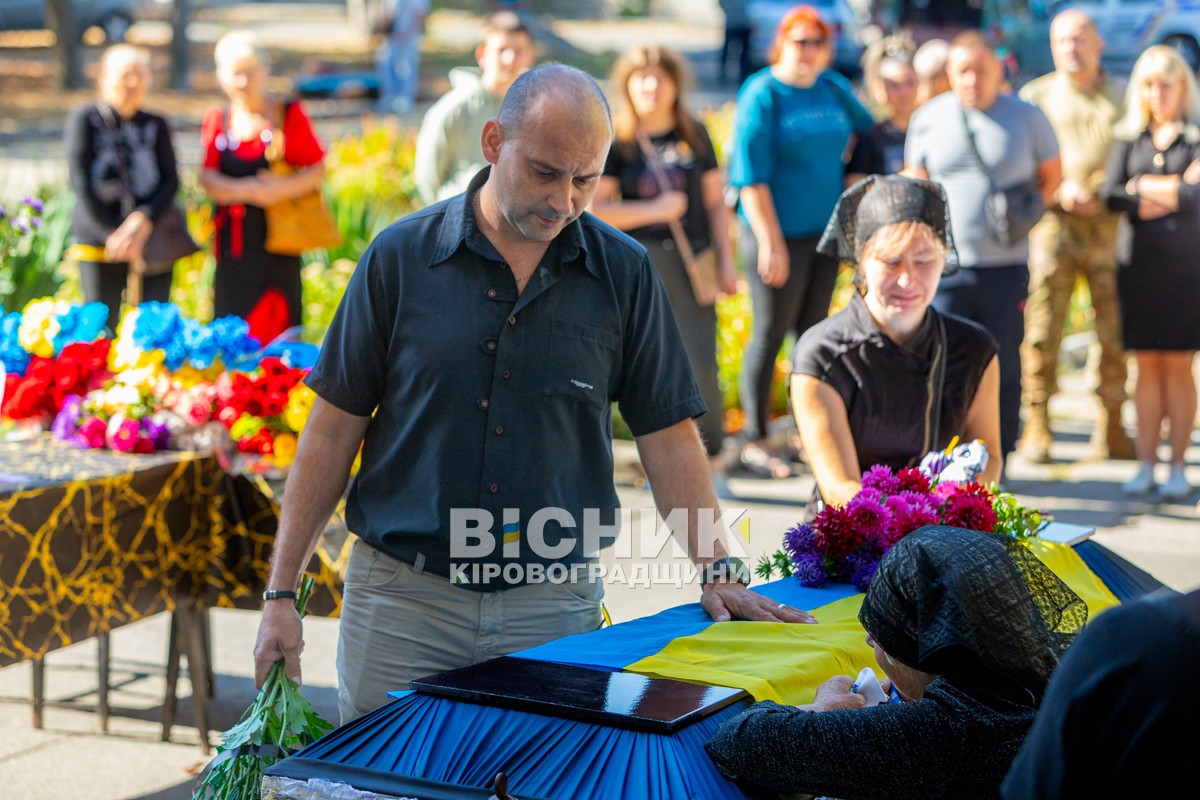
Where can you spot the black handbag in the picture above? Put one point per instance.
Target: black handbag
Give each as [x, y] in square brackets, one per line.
[1010, 213]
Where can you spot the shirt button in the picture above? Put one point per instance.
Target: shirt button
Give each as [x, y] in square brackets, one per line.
[495, 487]
[491, 346]
[491, 293]
[512, 320]
[484, 403]
[499, 430]
[506, 374]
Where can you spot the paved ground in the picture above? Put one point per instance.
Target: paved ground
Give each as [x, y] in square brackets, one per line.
[131, 762]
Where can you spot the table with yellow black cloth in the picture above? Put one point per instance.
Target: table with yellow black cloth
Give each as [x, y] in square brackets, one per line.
[91, 540]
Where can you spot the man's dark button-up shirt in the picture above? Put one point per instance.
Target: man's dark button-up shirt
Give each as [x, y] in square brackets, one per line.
[486, 399]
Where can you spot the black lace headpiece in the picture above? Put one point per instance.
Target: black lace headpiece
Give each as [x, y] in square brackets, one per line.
[880, 200]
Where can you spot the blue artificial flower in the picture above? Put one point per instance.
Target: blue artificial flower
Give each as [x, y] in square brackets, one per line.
[80, 324]
[202, 349]
[14, 357]
[233, 337]
[160, 326]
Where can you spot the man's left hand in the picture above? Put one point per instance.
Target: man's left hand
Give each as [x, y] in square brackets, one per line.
[726, 600]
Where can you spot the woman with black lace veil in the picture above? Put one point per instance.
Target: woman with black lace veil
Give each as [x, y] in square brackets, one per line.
[889, 378]
[968, 627]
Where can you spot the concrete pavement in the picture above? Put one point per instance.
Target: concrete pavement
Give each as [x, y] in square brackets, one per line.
[69, 757]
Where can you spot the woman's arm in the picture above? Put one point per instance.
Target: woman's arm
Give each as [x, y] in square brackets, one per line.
[629, 214]
[713, 190]
[825, 431]
[1115, 188]
[277, 187]
[881, 752]
[759, 205]
[227, 190]
[983, 420]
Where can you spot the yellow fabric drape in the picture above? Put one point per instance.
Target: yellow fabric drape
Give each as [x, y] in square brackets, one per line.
[770, 660]
[786, 663]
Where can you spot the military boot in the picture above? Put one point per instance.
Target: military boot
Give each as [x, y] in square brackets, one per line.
[1036, 438]
[1109, 439]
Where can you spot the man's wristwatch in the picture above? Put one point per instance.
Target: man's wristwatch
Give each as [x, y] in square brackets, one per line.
[280, 594]
[727, 569]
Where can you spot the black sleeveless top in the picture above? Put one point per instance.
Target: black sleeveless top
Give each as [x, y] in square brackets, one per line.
[887, 387]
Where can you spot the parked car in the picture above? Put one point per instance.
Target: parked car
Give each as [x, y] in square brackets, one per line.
[113, 17]
[846, 22]
[1130, 26]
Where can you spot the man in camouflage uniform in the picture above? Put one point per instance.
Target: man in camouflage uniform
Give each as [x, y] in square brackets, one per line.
[1076, 237]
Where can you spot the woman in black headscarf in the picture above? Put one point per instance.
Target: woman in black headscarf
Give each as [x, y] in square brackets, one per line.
[968, 627]
[889, 378]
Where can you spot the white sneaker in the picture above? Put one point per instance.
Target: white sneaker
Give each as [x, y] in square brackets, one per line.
[1143, 481]
[1177, 486]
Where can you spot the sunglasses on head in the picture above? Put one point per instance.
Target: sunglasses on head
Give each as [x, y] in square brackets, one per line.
[819, 41]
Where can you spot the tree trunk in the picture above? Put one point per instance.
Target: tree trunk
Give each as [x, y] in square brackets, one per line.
[59, 16]
[181, 15]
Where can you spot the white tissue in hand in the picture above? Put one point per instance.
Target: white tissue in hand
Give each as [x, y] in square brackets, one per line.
[868, 686]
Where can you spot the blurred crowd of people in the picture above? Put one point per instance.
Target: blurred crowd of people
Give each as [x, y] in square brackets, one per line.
[1114, 167]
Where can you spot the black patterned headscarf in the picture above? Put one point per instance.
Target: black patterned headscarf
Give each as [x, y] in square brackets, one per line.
[973, 606]
[880, 200]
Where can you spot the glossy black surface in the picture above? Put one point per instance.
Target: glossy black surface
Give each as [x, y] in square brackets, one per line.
[622, 699]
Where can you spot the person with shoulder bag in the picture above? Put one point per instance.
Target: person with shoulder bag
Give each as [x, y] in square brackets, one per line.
[997, 157]
[260, 157]
[662, 185]
[121, 165]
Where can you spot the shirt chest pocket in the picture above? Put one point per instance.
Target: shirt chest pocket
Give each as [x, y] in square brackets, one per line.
[580, 362]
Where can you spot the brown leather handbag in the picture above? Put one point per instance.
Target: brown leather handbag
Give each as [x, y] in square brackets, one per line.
[300, 223]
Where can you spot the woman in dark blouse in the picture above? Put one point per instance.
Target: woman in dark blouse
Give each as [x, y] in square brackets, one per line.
[889, 378]
[122, 168]
[650, 80]
[968, 627]
[1152, 177]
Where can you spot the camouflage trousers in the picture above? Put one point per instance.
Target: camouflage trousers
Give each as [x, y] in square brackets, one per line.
[1063, 248]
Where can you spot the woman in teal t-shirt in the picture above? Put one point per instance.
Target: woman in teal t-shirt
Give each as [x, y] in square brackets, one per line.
[794, 124]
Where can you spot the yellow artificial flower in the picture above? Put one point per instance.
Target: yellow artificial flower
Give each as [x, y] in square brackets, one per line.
[245, 425]
[284, 449]
[39, 326]
[299, 406]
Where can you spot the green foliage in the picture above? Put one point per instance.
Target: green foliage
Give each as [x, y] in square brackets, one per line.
[1012, 518]
[29, 260]
[323, 290]
[280, 716]
[769, 565]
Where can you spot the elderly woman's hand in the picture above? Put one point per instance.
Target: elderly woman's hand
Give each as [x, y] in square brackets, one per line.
[835, 694]
[127, 241]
